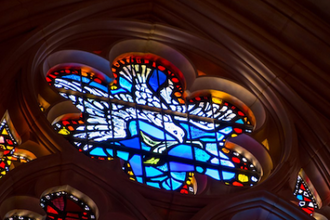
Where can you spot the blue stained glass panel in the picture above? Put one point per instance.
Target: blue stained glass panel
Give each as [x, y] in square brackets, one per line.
[199, 169]
[212, 173]
[151, 172]
[181, 176]
[208, 139]
[136, 165]
[227, 175]
[158, 178]
[239, 121]
[175, 184]
[85, 80]
[153, 184]
[170, 137]
[110, 152]
[73, 77]
[99, 86]
[198, 133]
[226, 130]
[133, 128]
[151, 130]
[153, 81]
[145, 147]
[167, 184]
[186, 129]
[212, 148]
[162, 77]
[163, 167]
[131, 143]
[123, 155]
[98, 152]
[227, 163]
[222, 155]
[139, 179]
[220, 136]
[121, 90]
[215, 161]
[183, 151]
[175, 166]
[201, 155]
[125, 84]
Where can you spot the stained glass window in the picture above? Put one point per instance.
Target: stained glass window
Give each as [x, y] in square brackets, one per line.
[143, 117]
[306, 199]
[64, 206]
[8, 148]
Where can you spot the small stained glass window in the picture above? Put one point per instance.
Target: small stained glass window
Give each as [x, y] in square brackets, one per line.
[143, 117]
[307, 201]
[8, 148]
[65, 206]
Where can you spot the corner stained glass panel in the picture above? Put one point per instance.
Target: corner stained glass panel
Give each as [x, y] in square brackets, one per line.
[143, 117]
[307, 201]
[8, 148]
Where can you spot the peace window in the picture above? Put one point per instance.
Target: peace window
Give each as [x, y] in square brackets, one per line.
[144, 117]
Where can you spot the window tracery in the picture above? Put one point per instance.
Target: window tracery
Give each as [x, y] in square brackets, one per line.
[145, 118]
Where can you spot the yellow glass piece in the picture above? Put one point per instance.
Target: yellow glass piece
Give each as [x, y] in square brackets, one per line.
[2, 146]
[243, 178]
[10, 147]
[181, 101]
[3, 172]
[84, 71]
[265, 143]
[131, 178]
[234, 135]
[216, 100]
[152, 161]
[225, 150]
[9, 162]
[128, 165]
[143, 68]
[177, 94]
[9, 157]
[130, 173]
[113, 87]
[4, 132]
[110, 158]
[64, 131]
